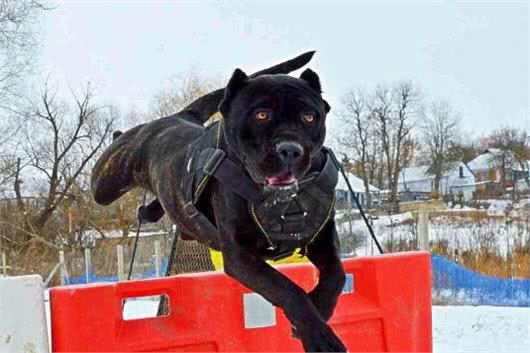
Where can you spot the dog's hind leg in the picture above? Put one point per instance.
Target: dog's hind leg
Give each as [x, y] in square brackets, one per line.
[113, 174]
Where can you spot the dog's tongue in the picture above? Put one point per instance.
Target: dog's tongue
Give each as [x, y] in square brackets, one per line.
[284, 179]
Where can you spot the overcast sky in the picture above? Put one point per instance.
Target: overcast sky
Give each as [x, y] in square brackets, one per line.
[476, 54]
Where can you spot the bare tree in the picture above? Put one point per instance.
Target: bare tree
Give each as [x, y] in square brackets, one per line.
[440, 126]
[17, 43]
[359, 136]
[17, 54]
[183, 90]
[513, 152]
[60, 142]
[395, 109]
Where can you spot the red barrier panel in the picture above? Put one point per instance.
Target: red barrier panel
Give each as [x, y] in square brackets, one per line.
[386, 307]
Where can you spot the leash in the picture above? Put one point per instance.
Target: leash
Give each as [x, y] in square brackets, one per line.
[139, 225]
[361, 211]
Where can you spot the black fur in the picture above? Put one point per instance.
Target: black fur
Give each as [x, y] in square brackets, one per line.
[152, 156]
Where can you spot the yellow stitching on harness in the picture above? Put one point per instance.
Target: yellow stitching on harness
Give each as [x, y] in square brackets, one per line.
[331, 207]
[218, 134]
[253, 213]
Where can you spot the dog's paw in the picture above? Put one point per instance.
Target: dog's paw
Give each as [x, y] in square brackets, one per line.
[320, 338]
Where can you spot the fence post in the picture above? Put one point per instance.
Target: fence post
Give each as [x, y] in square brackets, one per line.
[121, 273]
[62, 268]
[4, 264]
[423, 231]
[157, 258]
[88, 265]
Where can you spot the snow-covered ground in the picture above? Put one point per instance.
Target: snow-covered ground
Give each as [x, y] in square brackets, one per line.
[481, 329]
[458, 232]
[470, 329]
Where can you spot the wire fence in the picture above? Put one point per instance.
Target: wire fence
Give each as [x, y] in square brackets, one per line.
[479, 258]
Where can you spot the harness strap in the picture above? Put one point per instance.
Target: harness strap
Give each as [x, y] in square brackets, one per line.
[328, 178]
[214, 163]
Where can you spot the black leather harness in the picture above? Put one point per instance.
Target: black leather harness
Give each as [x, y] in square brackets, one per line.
[289, 217]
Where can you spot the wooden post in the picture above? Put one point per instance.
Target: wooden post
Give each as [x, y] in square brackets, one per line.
[88, 265]
[4, 264]
[62, 269]
[121, 272]
[157, 258]
[423, 231]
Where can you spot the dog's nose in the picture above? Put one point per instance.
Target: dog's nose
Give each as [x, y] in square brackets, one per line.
[290, 152]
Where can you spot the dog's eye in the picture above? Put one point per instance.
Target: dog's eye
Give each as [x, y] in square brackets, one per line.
[262, 115]
[308, 118]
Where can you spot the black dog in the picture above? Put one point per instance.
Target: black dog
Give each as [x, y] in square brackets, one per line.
[255, 186]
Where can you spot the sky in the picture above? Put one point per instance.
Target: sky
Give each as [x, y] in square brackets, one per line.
[475, 54]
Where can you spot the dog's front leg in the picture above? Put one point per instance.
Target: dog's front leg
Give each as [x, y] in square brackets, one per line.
[324, 254]
[242, 263]
[257, 275]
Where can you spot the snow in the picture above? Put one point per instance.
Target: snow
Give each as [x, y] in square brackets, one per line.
[356, 183]
[418, 173]
[492, 158]
[459, 232]
[481, 329]
[474, 329]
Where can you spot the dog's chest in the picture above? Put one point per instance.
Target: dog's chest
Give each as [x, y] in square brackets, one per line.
[280, 220]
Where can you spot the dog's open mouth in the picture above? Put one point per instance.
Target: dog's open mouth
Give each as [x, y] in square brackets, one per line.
[284, 179]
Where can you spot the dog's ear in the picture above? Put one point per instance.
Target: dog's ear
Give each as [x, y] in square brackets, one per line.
[238, 80]
[326, 106]
[312, 80]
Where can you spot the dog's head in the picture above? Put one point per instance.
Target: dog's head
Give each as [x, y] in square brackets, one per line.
[275, 124]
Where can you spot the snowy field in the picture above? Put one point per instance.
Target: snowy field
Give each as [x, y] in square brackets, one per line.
[481, 329]
[467, 329]
[458, 232]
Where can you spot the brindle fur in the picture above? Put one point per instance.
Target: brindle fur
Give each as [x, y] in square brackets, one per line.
[152, 156]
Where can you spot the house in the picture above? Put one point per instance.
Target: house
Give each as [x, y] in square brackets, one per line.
[344, 197]
[489, 166]
[417, 182]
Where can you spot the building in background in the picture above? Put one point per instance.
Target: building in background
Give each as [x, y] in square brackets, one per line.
[416, 183]
[344, 197]
[489, 167]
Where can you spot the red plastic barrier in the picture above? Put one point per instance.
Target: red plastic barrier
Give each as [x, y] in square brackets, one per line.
[389, 309]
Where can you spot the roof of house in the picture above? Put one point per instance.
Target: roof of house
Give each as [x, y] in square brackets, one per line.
[420, 173]
[490, 159]
[356, 183]
[415, 174]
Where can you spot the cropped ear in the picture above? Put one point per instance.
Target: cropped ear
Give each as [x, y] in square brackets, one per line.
[238, 80]
[312, 79]
[326, 106]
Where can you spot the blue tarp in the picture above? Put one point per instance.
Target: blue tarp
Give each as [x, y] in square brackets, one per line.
[93, 278]
[450, 281]
[453, 281]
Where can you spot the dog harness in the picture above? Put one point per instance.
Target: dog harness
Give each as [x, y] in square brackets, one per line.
[289, 216]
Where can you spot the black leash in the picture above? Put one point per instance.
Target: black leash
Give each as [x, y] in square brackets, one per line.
[139, 225]
[361, 211]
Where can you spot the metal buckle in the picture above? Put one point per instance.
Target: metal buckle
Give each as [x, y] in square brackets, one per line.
[190, 210]
[215, 160]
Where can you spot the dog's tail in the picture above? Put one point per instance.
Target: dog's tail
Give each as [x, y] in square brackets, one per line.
[204, 107]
